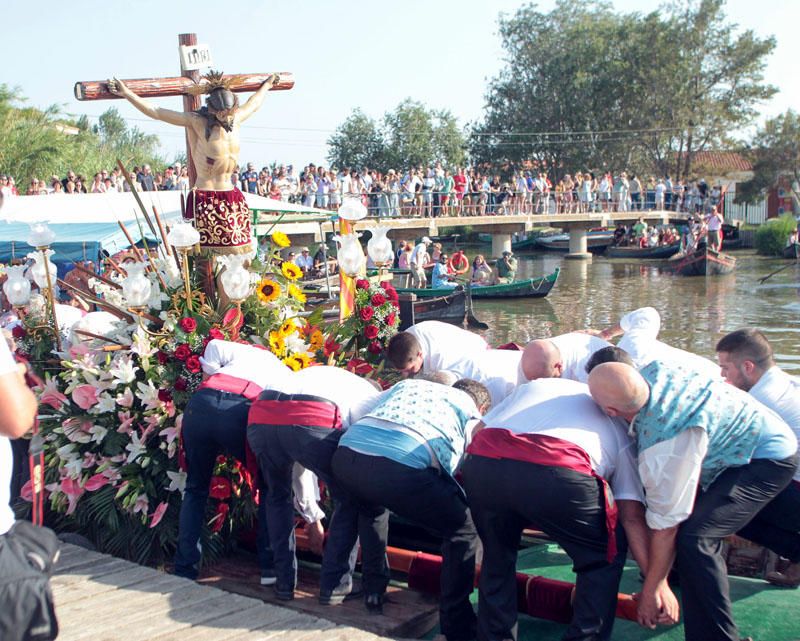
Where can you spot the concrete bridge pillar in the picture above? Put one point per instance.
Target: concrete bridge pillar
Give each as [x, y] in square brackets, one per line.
[577, 244]
[500, 243]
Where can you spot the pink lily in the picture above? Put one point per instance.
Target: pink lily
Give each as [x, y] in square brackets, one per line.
[85, 396]
[158, 514]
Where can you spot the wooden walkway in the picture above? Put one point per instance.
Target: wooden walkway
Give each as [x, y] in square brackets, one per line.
[101, 598]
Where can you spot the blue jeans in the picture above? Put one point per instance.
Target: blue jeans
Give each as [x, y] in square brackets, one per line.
[214, 423]
[278, 448]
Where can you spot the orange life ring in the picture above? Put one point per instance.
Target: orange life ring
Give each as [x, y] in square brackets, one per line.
[458, 259]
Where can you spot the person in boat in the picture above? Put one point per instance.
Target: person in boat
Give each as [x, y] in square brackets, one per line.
[417, 262]
[563, 356]
[793, 238]
[298, 421]
[620, 235]
[215, 422]
[710, 458]
[548, 455]
[639, 230]
[482, 274]
[639, 330]
[430, 346]
[441, 278]
[747, 361]
[506, 268]
[714, 222]
[402, 456]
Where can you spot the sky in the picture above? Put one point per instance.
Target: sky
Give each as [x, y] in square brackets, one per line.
[359, 54]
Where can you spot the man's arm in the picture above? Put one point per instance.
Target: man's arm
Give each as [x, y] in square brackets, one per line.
[17, 404]
[180, 118]
[631, 517]
[254, 102]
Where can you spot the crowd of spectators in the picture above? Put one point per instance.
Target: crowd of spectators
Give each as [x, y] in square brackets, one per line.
[418, 191]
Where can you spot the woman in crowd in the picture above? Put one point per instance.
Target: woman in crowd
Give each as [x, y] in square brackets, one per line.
[481, 272]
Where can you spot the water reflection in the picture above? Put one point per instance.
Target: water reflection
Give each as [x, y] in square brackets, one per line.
[695, 312]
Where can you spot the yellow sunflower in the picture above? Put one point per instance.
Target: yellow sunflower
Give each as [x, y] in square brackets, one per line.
[316, 340]
[280, 239]
[276, 343]
[290, 270]
[288, 327]
[296, 293]
[297, 361]
[268, 290]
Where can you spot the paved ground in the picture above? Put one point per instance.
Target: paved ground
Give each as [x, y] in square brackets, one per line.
[100, 598]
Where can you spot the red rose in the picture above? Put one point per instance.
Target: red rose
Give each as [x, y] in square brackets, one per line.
[371, 331]
[19, 332]
[163, 358]
[193, 363]
[387, 285]
[361, 283]
[220, 517]
[359, 366]
[220, 488]
[188, 324]
[378, 299]
[391, 294]
[164, 395]
[366, 314]
[181, 384]
[391, 318]
[215, 333]
[183, 351]
[374, 347]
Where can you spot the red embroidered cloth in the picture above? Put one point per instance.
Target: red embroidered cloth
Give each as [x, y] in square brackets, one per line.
[223, 220]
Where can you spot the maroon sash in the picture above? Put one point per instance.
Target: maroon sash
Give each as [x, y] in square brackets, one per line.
[498, 443]
[288, 412]
[233, 385]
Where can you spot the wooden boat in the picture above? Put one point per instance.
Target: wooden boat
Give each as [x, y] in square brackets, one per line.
[529, 288]
[705, 262]
[651, 253]
[596, 241]
[453, 307]
[792, 251]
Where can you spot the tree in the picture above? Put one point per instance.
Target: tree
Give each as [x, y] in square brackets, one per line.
[357, 142]
[775, 151]
[585, 87]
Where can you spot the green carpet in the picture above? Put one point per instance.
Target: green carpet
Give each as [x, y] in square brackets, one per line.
[760, 610]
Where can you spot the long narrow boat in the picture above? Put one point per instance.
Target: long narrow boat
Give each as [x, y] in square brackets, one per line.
[705, 262]
[657, 253]
[449, 308]
[596, 241]
[529, 288]
[792, 251]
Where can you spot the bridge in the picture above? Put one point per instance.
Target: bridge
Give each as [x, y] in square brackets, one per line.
[307, 230]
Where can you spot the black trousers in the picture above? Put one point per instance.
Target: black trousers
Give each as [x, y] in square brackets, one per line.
[278, 448]
[506, 496]
[728, 505]
[430, 499]
[777, 526]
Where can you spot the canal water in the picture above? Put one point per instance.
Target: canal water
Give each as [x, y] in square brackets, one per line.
[695, 312]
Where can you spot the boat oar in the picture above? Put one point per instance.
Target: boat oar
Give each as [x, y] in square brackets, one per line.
[761, 281]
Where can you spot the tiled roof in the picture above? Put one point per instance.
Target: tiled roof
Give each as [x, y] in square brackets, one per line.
[722, 161]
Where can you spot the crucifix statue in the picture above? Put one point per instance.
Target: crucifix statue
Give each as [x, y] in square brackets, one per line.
[218, 207]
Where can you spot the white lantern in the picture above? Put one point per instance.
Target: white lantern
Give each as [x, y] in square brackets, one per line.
[235, 279]
[17, 288]
[183, 236]
[352, 209]
[41, 266]
[136, 287]
[41, 236]
[351, 256]
[379, 246]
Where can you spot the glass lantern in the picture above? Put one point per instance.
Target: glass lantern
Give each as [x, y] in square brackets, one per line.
[17, 288]
[136, 286]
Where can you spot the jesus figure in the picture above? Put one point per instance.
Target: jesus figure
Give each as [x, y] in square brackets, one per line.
[218, 207]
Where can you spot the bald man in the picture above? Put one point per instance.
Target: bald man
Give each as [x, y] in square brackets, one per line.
[563, 356]
[692, 429]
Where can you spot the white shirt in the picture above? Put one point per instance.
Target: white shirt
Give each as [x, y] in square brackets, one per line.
[7, 365]
[495, 368]
[304, 262]
[576, 349]
[418, 255]
[780, 392]
[564, 409]
[641, 327]
[443, 345]
[243, 361]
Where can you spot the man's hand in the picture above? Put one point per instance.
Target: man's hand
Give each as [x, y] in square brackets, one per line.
[117, 87]
[273, 80]
[316, 536]
[657, 607]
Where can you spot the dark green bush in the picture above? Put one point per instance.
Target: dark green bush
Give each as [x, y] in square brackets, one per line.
[771, 237]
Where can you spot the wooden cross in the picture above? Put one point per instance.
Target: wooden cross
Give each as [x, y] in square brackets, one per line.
[178, 86]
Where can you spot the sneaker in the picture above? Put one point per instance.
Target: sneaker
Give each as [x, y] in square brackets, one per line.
[268, 577]
[339, 595]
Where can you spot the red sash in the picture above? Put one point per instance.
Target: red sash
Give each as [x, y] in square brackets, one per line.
[540, 449]
[233, 385]
[288, 412]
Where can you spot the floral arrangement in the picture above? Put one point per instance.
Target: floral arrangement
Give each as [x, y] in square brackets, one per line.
[375, 319]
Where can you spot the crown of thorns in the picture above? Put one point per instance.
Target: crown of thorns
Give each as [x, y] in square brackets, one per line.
[212, 81]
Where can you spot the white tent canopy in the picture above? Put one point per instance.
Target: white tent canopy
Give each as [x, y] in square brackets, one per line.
[113, 207]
